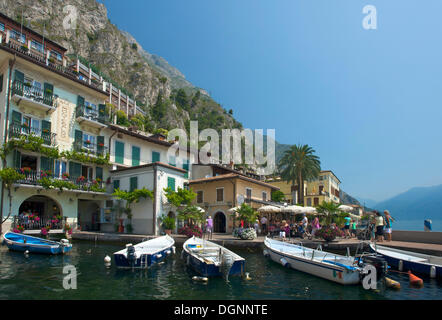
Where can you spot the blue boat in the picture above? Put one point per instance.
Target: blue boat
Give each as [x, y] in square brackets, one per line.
[418, 263]
[23, 243]
[144, 254]
[210, 259]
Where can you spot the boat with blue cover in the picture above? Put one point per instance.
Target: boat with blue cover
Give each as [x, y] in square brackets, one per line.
[145, 254]
[210, 259]
[403, 260]
[21, 242]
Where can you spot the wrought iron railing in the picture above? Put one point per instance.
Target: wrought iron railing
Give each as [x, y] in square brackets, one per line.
[35, 222]
[16, 130]
[34, 177]
[34, 93]
[90, 113]
[93, 148]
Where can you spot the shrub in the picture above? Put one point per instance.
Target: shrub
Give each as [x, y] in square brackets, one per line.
[191, 231]
[329, 234]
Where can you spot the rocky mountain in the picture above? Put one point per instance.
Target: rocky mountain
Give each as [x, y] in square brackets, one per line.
[415, 204]
[148, 78]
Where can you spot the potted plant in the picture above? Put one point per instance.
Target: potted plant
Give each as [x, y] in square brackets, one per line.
[129, 228]
[65, 176]
[168, 224]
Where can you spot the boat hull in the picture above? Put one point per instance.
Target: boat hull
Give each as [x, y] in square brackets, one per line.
[333, 273]
[45, 247]
[211, 270]
[413, 266]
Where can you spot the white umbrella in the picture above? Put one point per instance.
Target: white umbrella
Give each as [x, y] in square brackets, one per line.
[269, 209]
[200, 209]
[234, 209]
[309, 210]
[293, 209]
[345, 208]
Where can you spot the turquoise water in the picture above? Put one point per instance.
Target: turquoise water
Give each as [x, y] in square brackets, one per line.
[41, 277]
[416, 225]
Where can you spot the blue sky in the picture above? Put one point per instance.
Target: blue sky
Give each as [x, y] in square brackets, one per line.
[368, 101]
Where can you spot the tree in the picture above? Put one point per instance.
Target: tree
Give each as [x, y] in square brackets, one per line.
[247, 214]
[278, 196]
[299, 163]
[182, 200]
[329, 209]
[9, 176]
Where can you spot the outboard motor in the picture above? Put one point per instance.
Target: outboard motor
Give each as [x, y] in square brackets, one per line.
[130, 251]
[379, 263]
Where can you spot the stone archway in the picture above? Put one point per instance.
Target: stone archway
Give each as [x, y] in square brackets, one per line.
[40, 211]
[219, 222]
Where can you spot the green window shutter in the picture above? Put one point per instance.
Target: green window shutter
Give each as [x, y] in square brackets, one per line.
[17, 159]
[133, 183]
[19, 76]
[186, 167]
[99, 173]
[48, 93]
[171, 183]
[155, 156]
[135, 156]
[100, 145]
[172, 161]
[116, 184]
[119, 152]
[46, 164]
[16, 117]
[102, 113]
[80, 106]
[78, 142]
[46, 132]
[19, 79]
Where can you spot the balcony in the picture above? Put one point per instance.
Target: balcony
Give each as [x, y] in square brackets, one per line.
[33, 225]
[91, 117]
[31, 96]
[90, 148]
[34, 178]
[17, 130]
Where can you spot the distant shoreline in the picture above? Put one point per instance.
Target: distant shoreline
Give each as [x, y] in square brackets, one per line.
[416, 225]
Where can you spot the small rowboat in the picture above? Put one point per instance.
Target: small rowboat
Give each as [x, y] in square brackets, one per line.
[410, 261]
[145, 254]
[345, 270]
[23, 243]
[210, 259]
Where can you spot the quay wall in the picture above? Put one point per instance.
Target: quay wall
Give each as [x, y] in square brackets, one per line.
[417, 236]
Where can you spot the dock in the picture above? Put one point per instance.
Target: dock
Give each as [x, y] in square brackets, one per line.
[258, 243]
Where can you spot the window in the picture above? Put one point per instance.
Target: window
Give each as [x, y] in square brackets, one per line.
[264, 196]
[155, 156]
[88, 141]
[18, 36]
[56, 55]
[116, 184]
[248, 195]
[199, 196]
[186, 167]
[133, 183]
[171, 183]
[219, 194]
[60, 168]
[316, 201]
[119, 152]
[309, 202]
[90, 110]
[2, 27]
[172, 161]
[37, 46]
[30, 125]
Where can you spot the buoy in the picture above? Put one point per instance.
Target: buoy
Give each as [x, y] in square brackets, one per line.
[415, 281]
[392, 283]
[203, 279]
[159, 255]
[168, 252]
[266, 253]
[401, 265]
[248, 276]
[173, 249]
[27, 252]
[433, 272]
[107, 259]
[284, 262]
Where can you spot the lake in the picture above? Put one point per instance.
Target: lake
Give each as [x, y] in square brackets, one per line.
[41, 277]
[416, 225]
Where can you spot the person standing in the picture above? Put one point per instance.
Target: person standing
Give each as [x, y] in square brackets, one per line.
[379, 226]
[315, 226]
[209, 226]
[388, 222]
[264, 225]
[347, 227]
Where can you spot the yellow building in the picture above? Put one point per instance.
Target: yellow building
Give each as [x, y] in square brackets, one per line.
[217, 193]
[324, 188]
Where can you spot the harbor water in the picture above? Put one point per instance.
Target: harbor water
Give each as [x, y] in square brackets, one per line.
[41, 277]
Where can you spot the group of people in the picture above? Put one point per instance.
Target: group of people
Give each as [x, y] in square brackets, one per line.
[287, 228]
[381, 226]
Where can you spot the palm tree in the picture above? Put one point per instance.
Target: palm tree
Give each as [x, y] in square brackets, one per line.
[299, 163]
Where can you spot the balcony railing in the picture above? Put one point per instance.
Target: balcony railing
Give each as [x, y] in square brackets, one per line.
[92, 148]
[33, 93]
[16, 130]
[37, 223]
[90, 114]
[33, 177]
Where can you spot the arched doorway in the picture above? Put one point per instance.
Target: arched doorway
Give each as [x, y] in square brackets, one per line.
[88, 215]
[219, 223]
[39, 211]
